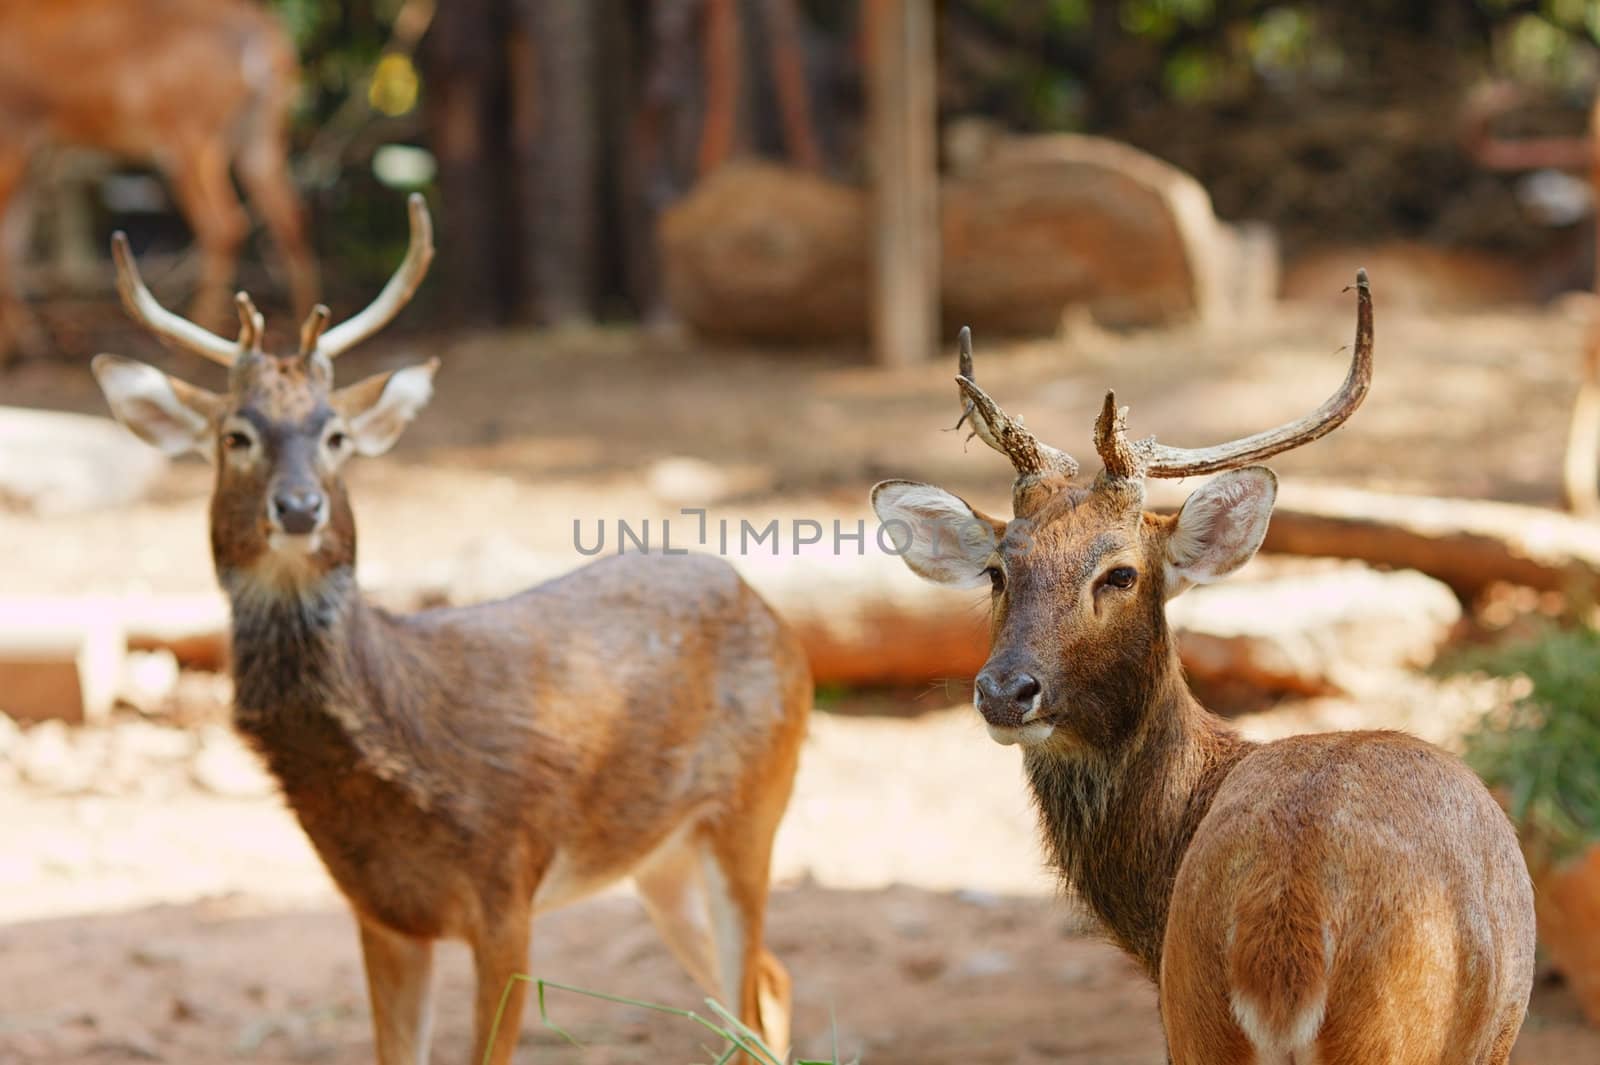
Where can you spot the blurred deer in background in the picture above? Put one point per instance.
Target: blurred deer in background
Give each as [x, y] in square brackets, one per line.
[461, 770]
[1343, 899]
[187, 86]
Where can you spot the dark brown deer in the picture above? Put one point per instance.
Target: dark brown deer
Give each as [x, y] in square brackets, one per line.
[188, 86]
[1343, 899]
[461, 770]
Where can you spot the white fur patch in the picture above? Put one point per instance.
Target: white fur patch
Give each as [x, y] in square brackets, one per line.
[1273, 1046]
[1292, 1045]
[935, 533]
[727, 929]
[376, 429]
[143, 400]
[1032, 733]
[1220, 527]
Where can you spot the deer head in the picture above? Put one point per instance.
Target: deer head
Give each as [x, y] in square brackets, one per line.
[1080, 575]
[281, 433]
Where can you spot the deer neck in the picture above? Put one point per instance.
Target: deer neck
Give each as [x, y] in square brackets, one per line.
[1117, 822]
[311, 691]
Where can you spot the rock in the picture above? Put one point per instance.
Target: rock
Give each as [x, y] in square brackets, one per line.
[144, 759]
[924, 966]
[1303, 627]
[685, 481]
[984, 963]
[59, 658]
[53, 463]
[149, 680]
[52, 762]
[1052, 222]
[984, 900]
[152, 744]
[224, 767]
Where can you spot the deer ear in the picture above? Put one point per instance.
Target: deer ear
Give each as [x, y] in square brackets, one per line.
[1220, 527]
[378, 408]
[171, 414]
[938, 535]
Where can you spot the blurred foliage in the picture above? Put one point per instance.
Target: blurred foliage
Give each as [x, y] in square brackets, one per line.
[1542, 752]
[339, 43]
[1208, 52]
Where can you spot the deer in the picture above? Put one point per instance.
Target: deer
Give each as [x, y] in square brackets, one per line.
[188, 86]
[462, 769]
[1351, 897]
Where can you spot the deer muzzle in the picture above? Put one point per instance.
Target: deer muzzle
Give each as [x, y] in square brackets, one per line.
[1009, 696]
[297, 511]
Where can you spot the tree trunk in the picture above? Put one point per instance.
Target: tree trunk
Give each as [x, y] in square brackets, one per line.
[464, 65]
[556, 124]
[905, 180]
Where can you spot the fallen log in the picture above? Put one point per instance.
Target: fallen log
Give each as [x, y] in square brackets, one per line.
[1467, 544]
[865, 621]
[1048, 224]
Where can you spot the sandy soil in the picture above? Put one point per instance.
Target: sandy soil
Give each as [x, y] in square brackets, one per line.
[156, 922]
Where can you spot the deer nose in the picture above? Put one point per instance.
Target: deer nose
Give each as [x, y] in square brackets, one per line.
[1007, 698]
[297, 511]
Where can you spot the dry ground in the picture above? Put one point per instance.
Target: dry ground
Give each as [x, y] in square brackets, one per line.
[176, 926]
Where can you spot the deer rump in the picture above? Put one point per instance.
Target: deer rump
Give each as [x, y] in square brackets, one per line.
[1347, 901]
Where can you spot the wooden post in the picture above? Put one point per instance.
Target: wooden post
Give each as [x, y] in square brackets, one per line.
[905, 182]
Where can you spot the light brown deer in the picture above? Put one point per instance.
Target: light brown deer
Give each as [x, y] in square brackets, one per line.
[1342, 899]
[461, 770]
[188, 86]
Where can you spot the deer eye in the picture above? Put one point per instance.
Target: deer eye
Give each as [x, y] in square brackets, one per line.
[997, 578]
[337, 441]
[236, 441]
[1121, 577]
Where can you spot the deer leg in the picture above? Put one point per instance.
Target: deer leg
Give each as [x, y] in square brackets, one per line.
[499, 954]
[399, 985]
[265, 172]
[205, 193]
[672, 888]
[723, 75]
[756, 985]
[19, 333]
[789, 75]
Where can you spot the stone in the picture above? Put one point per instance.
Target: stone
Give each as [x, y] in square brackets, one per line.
[223, 766]
[1065, 220]
[149, 680]
[51, 761]
[54, 463]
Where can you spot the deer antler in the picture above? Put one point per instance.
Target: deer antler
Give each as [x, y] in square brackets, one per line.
[1125, 459]
[1006, 435]
[395, 295]
[251, 325]
[144, 309]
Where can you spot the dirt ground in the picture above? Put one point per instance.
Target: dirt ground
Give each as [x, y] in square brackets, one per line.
[156, 921]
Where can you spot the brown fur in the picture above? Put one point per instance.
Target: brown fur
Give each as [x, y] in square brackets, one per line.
[639, 717]
[189, 86]
[1366, 871]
